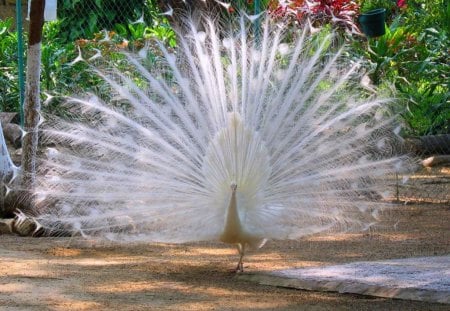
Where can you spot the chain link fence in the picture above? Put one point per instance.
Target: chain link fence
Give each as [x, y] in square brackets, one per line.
[83, 19]
[431, 182]
[427, 185]
[8, 9]
[94, 19]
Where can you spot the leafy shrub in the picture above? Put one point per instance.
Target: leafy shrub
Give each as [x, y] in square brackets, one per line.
[59, 74]
[427, 80]
[385, 53]
[84, 18]
[413, 56]
[368, 5]
[340, 14]
[9, 84]
[138, 33]
[428, 108]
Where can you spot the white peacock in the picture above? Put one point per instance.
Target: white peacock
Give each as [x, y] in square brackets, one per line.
[234, 140]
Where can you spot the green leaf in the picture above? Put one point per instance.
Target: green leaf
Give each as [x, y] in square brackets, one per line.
[121, 30]
[432, 31]
[92, 23]
[74, 3]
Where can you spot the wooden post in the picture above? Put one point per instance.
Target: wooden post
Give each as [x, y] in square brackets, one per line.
[32, 104]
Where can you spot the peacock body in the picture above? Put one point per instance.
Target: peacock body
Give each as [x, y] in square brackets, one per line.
[233, 139]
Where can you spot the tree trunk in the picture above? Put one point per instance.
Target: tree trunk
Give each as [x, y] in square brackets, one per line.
[32, 94]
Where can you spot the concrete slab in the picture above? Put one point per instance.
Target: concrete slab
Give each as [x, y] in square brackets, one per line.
[423, 279]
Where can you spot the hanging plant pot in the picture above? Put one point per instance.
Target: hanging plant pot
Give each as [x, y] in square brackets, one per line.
[372, 22]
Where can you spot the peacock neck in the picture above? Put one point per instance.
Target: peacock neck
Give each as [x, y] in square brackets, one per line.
[232, 232]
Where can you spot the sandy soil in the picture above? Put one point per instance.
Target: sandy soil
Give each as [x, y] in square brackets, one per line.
[72, 274]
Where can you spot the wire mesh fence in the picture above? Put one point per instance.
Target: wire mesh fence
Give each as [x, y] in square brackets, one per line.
[135, 19]
[427, 185]
[83, 19]
[430, 183]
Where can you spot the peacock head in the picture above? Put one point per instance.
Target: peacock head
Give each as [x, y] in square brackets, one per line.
[233, 187]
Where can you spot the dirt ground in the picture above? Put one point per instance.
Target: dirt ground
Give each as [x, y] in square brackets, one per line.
[73, 274]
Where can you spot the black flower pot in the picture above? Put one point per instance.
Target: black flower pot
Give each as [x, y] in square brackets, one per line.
[372, 22]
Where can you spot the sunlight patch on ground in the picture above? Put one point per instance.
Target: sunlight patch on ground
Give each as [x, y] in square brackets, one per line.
[129, 287]
[213, 251]
[64, 252]
[237, 305]
[335, 237]
[11, 288]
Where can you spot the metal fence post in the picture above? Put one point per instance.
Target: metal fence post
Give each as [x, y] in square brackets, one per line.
[19, 27]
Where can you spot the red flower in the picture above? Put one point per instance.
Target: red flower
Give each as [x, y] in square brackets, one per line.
[339, 13]
[401, 3]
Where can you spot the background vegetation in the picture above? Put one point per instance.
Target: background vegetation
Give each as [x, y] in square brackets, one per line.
[410, 62]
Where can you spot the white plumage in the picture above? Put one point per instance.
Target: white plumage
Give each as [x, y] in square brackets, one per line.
[242, 141]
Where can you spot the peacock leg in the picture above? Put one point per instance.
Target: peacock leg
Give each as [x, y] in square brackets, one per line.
[240, 265]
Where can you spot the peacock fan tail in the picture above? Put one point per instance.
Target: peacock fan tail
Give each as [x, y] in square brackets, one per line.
[234, 139]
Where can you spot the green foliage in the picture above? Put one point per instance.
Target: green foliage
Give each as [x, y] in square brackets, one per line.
[249, 5]
[135, 21]
[84, 18]
[389, 5]
[413, 56]
[426, 91]
[422, 14]
[368, 5]
[428, 108]
[9, 84]
[138, 33]
[58, 75]
[384, 53]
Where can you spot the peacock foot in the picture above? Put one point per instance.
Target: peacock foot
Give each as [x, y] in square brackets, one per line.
[240, 267]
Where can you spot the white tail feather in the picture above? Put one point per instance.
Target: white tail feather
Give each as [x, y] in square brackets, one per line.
[282, 123]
